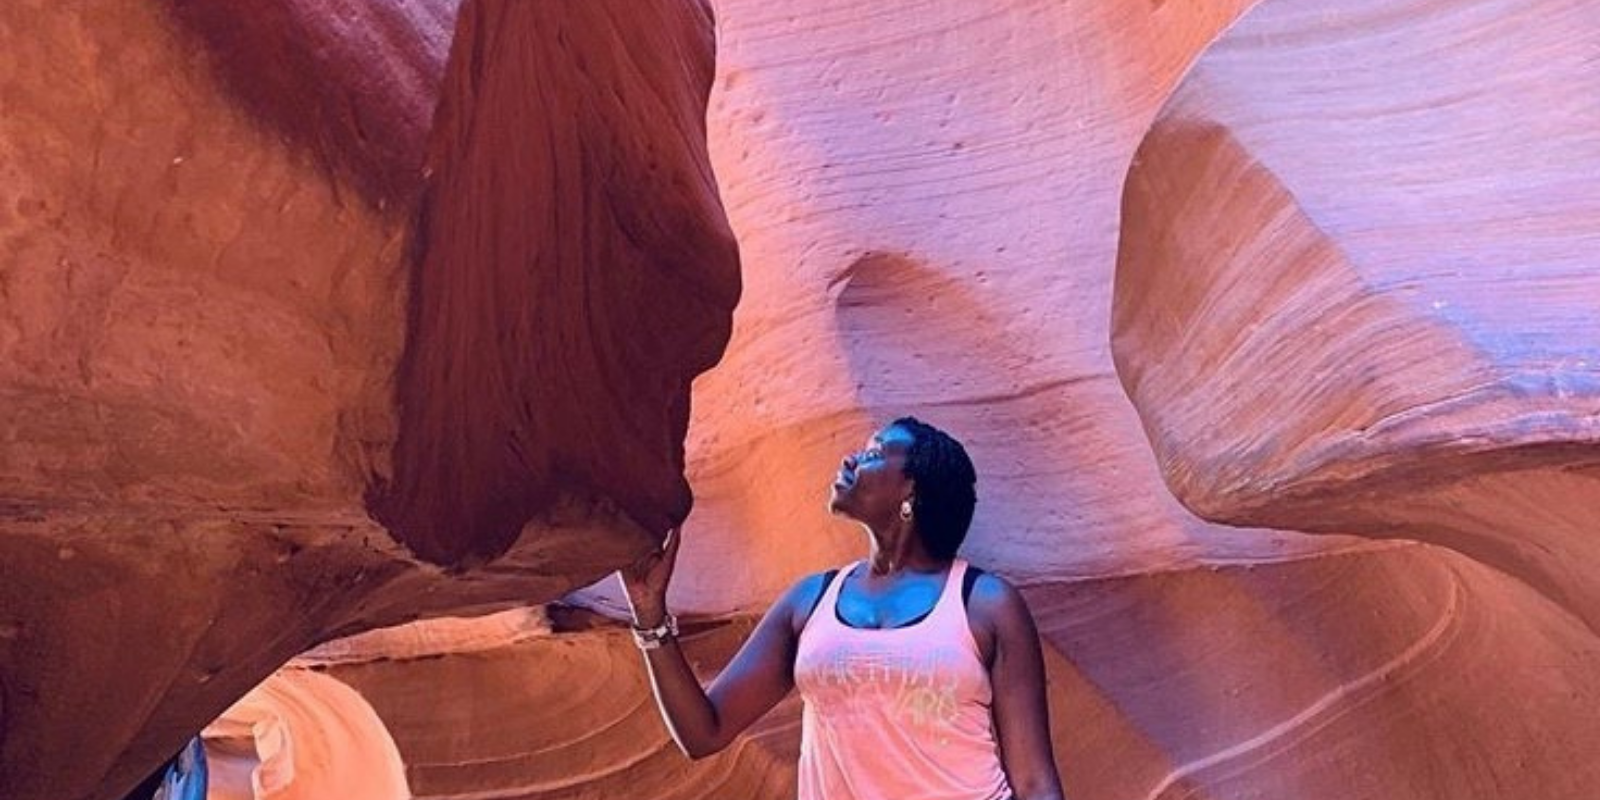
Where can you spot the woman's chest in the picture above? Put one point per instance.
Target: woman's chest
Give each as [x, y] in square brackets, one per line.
[900, 605]
[912, 679]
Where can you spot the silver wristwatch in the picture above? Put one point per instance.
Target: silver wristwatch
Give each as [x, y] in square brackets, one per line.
[651, 638]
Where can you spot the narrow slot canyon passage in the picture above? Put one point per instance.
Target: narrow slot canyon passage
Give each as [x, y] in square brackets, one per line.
[349, 347]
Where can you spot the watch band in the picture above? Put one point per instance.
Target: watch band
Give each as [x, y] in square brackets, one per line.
[652, 638]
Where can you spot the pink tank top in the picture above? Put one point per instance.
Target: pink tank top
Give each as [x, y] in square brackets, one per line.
[896, 713]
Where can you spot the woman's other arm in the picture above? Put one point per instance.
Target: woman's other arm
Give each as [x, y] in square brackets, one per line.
[1021, 711]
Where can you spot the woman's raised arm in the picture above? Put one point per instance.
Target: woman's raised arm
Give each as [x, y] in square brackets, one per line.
[762, 672]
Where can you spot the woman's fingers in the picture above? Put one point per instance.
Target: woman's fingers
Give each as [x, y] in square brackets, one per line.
[668, 557]
[669, 548]
[653, 569]
[640, 569]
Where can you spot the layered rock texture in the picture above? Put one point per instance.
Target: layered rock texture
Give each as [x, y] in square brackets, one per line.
[1269, 326]
[301, 734]
[498, 707]
[1363, 298]
[262, 385]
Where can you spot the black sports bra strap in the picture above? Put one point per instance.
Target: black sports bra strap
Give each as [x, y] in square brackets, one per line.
[827, 579]
[967, 582]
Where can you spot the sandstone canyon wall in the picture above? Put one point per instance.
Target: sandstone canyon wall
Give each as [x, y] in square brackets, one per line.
[235, 338]
[1169, 269]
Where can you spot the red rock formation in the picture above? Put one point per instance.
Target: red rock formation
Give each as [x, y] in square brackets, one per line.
[927, 198]
[1361, 298]
[496, 707]
[302, 735]
[575, 269]
[200, 333]
[1380, 672]
[352, 82]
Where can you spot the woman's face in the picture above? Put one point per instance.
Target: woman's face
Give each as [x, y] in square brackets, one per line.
[872, 483]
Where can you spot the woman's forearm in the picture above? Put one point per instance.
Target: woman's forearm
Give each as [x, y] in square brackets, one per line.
[703, 721]
[690, 716]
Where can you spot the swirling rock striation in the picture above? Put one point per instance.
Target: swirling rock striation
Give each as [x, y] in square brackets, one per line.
[1360, 298]
[928, 200]
[567, 714]
[351, 82]
[302, 735]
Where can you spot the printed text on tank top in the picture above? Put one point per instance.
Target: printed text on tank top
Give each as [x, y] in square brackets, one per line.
[919, 699]
[895, 712]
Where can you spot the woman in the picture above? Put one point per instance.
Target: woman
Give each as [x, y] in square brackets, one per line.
[921, 678]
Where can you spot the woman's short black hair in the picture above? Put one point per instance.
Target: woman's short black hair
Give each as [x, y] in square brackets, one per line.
[946, 487]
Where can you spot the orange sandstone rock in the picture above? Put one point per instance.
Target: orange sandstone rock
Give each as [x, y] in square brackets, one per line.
[541, 714]
[574, 271]
[1356, 289]
[208, 324]
[351, 83]
[302, 735]
[215, 342]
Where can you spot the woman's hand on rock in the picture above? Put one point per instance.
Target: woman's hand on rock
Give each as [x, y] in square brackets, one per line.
[645, 581]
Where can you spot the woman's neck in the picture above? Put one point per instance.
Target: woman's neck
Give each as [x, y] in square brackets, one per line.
[897, 549]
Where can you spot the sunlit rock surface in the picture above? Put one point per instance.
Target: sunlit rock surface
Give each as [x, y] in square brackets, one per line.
[496, 707]
[928, 203]
[930, 208]
[1357, 289]
[302, 735]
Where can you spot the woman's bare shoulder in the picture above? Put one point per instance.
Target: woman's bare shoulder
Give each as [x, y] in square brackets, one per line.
[802, 597]
[998, 605]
